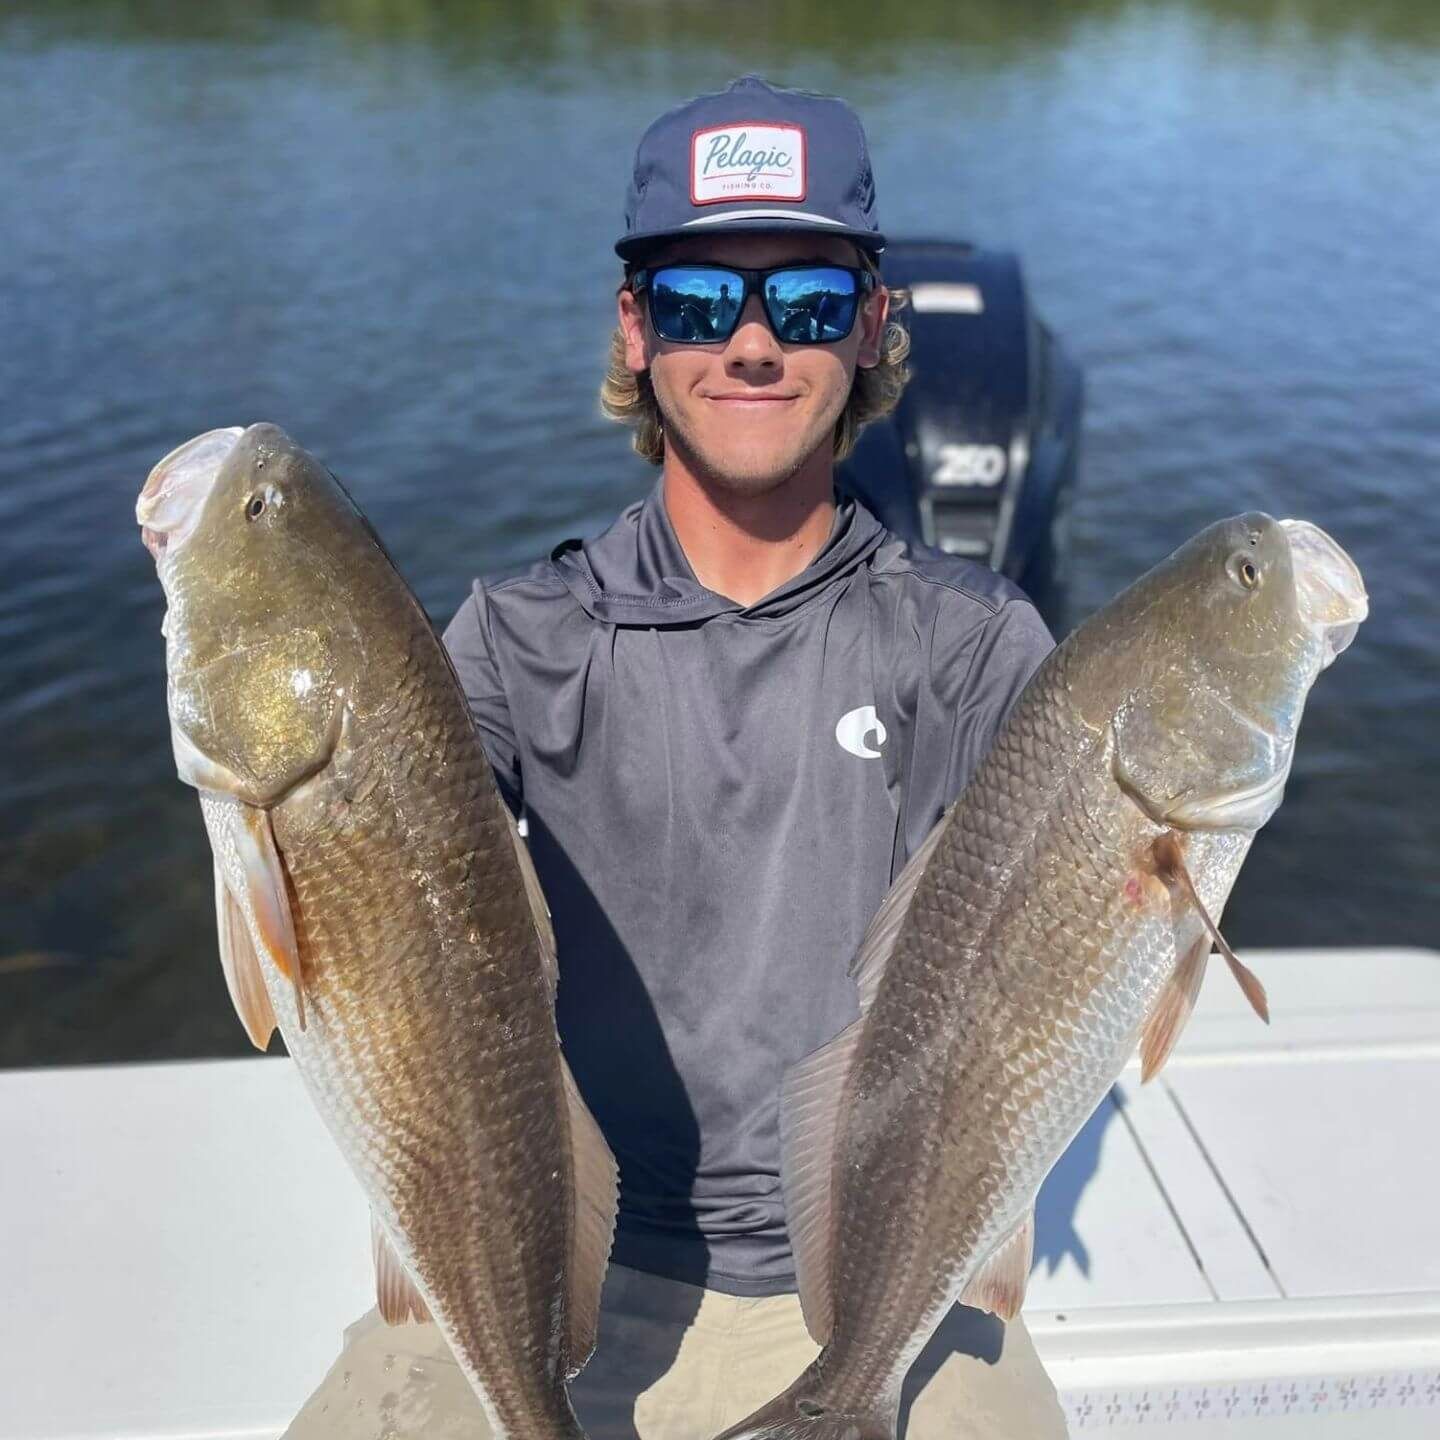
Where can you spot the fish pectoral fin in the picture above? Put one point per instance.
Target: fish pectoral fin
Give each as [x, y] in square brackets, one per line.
[1167, 1020]
[243, 977]
[810, 1101]
[999, 1284]
[395, 1294]
[1170, 866]
[268, 892]
[539, 907]
[592, 1231]
[1249, 983]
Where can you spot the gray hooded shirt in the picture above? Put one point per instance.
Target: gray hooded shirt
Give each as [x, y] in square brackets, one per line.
[718, 796]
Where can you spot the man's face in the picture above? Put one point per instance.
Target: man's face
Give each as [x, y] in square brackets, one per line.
[748, 412]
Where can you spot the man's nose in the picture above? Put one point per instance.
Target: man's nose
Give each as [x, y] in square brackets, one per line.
[753, 345]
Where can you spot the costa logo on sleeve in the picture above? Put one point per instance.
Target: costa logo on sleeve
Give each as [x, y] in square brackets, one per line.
[747, 162]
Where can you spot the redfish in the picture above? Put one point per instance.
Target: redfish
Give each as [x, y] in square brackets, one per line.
[1063, 909]
[375, 903]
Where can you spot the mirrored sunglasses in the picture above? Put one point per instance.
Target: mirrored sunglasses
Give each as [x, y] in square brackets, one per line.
[701, 304]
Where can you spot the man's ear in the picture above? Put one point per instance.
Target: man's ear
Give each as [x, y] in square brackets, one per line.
[873, 315]
[631, 313]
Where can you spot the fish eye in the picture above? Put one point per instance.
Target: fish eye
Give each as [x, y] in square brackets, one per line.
[255, 508]
[1245, 571]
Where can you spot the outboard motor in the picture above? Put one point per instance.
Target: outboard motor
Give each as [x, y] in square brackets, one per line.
[981, 454]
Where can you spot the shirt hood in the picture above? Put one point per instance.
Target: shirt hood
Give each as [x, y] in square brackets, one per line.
[636, 573]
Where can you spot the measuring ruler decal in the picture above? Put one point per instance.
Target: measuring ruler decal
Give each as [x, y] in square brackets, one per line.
[1311, 1395]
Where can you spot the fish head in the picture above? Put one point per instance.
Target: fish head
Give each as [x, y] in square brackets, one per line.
[1215, 652]
[247, 531]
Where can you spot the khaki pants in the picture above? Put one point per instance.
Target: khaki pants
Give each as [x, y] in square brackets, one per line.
[675, 1362]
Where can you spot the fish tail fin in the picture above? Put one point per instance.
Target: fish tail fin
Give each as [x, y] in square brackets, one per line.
[801, 1413]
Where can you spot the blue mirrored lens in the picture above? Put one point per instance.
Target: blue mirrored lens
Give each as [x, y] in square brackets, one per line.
[813, 305]
[694, 304]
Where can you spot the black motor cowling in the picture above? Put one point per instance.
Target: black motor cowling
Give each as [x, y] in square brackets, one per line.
[981, 454]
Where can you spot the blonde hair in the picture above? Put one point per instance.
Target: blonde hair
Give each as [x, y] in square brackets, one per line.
[630, 398]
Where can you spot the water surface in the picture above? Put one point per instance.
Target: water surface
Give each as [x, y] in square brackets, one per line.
[387, 227]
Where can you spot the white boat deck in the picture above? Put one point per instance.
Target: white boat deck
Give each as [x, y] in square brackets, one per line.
[1252, 1241]
[1249, 1244]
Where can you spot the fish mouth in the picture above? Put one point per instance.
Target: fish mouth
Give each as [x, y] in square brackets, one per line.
[1329, 589]
[175, 490]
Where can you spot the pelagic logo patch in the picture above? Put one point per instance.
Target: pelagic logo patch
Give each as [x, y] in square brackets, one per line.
[747, 162]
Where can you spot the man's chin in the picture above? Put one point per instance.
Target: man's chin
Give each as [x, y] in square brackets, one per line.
[748, 483]
[749, 472]
[746, 461]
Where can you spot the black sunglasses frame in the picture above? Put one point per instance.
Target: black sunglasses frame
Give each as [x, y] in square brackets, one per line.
[753, 282]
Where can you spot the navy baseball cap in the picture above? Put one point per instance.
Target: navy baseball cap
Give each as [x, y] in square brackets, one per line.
[752, 157]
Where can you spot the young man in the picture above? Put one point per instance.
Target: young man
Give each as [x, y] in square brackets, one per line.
[729, 720]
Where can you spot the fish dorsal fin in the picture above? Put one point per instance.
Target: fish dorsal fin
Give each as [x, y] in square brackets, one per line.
[593, 1226]
[243, 977]
[395, 1294]
[810, 1101]
[539, 909]
[1167, 1020]
[593, 1169]
[999, 1284]
[868, 966]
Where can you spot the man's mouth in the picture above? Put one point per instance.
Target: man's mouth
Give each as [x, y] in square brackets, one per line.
[741, 400]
